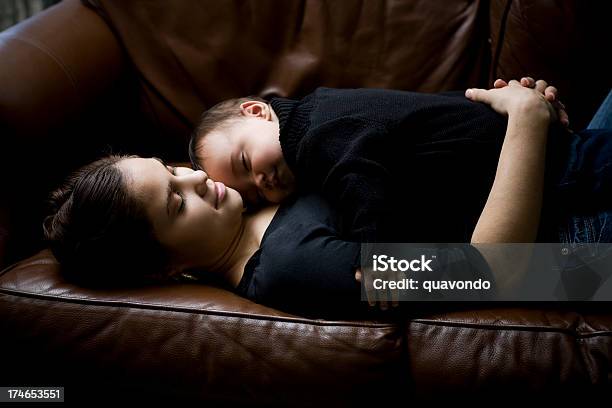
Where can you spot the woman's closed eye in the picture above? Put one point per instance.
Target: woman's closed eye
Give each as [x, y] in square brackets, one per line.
[182, 205]
[178, 193]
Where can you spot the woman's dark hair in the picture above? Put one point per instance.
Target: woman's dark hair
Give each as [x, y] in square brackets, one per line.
[99, 233]
[221, 114]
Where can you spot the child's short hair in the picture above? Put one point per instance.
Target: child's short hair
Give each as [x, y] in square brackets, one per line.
[215, 118]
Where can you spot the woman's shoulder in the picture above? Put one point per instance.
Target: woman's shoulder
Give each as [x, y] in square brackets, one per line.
[301, 213]
[298, 223]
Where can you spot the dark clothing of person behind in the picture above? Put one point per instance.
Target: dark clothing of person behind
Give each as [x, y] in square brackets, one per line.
[585, 186]
[400, 166]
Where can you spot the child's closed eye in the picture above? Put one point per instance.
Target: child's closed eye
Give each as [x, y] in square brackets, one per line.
[244, 162]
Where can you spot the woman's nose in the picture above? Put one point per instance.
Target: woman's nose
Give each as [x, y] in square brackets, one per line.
[201, 182]
[196, 180]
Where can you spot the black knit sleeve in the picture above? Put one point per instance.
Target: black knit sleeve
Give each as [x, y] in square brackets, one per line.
[308, 270]
[343, 160]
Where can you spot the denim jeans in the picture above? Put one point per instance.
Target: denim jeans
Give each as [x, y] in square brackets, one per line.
[586, 228]
[587, 254]
[585, 185]
[588, 179]
[603, 117]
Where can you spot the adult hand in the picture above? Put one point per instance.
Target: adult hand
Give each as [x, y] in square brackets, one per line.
[550, 93]
[516, 100]
[374, 295]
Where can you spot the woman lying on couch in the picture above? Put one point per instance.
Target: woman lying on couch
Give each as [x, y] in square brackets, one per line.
[131, 220]
[122, 217]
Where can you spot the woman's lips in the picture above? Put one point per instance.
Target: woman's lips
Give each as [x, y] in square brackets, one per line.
[220, 190]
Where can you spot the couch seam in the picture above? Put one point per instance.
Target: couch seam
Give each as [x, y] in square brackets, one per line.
[518, 327]
[585, 357]
[153, 306]
[18, 264]
[500, 40]
[45, 50]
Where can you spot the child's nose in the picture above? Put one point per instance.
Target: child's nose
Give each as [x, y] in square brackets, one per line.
[260, 180]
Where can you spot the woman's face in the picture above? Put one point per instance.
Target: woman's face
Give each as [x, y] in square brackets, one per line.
[194, 217]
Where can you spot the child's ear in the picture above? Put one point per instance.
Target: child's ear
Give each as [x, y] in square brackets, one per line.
[255, 109]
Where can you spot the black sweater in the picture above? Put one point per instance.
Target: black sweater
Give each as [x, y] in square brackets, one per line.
[304, 266]
[399, 166]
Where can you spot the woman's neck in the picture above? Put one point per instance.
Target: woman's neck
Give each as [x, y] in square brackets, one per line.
[244, 245]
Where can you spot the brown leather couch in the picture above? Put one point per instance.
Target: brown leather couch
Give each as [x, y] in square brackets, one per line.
[83, 78]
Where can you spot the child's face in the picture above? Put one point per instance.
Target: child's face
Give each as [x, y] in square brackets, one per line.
[246, 155]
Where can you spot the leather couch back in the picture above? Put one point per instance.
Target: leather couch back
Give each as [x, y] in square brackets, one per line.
[192, 56]
[564, 42]
[195, 54]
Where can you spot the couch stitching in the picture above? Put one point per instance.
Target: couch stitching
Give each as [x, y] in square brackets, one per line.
[490, 326]
[500, 40]
[223, 313]
[45, 50]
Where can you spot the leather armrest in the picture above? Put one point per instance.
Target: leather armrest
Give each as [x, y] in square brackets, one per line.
[53, 65]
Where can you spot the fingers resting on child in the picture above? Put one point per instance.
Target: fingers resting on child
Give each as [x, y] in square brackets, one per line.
[551, 94]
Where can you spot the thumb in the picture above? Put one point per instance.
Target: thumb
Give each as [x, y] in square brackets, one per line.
[477, 95]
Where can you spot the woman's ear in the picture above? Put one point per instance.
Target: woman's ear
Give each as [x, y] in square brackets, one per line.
[168, 274]
[173, 272]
